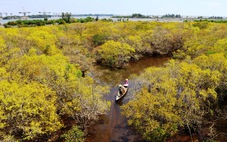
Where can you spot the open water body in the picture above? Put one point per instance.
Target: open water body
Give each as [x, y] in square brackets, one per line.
[113, 126]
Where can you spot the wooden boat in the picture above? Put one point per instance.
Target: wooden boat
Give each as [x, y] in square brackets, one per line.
[120, 95]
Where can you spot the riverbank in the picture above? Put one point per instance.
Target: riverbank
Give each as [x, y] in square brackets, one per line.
[113, 126]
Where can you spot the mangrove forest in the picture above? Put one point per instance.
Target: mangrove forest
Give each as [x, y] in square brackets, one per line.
[48, 90]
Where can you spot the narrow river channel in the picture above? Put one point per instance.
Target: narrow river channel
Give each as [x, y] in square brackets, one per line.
[113, 127]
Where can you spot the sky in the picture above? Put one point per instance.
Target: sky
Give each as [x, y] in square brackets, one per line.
[118, 7]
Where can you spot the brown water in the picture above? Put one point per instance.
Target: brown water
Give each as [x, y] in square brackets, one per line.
[113, 127]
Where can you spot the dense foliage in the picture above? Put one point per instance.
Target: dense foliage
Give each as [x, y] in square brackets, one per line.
[114, 53]
[185, 94]
[43, 76]
[74, 134]
[39, 86]
[179, 95]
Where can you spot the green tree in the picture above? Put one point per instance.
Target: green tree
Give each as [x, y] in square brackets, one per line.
[98, 39]
[74, 134]
[66, 16]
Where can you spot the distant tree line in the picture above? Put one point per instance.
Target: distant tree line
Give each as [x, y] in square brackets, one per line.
[34, 23]
[11, 17]
[171, 16]
[135, 15]
[213, 20]
[215, 17]
[39, 16]
[30, 16]
[211, 17]
[138, 15]
[92, 15]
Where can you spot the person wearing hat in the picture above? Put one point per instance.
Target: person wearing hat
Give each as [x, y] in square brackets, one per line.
[126, 83]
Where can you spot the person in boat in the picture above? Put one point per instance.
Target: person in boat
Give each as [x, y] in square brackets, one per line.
[126, 83]
[122, 89]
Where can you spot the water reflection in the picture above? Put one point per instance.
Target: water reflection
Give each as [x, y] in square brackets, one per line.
[113, 77]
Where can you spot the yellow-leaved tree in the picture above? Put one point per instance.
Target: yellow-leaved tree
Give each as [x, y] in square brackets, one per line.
[171, 97]
[44, 42]
[114, 54]
[26, 108]
[39, 83]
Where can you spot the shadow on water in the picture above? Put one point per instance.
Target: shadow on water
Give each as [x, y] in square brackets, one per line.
[113, 127]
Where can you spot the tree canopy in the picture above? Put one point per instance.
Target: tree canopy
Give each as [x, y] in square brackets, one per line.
[43, 76]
